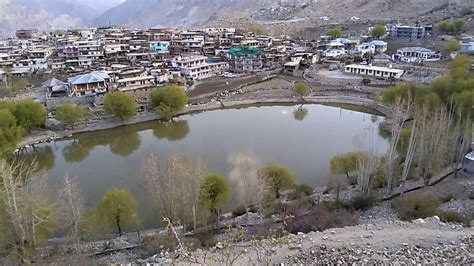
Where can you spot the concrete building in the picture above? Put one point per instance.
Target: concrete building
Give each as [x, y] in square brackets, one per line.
[416, 55]
[246, 59]
[467, 45]
[373, 71]
[89, 84]
[403, 31]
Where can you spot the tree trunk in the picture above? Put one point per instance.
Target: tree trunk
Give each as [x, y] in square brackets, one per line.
[117, 220]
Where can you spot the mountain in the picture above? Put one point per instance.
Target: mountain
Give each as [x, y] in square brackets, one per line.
[50, 14]
[188, 13]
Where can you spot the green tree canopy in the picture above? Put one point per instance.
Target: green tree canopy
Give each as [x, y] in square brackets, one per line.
[70, 114]
[378, 31]
[168, 101]
[277, 177]
[410, 91]
[214, 192]
[120, 105]
[451, 46]
[344, 164]
[458, 25]
[29, 114]
[444, 26]
[335, 32]
[8, 105]
[118, 208]
[301, 89]
[10, 133]
[171, 130]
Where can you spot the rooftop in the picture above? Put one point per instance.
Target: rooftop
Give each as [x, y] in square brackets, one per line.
[92, 77]
[415, 49]
[245, 50]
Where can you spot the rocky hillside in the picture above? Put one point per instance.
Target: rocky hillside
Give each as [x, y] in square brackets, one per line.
[49, 14]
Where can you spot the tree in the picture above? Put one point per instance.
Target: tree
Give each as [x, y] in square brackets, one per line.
[444, 26]
[118, 207]
[70, 114]
[29, 114]
[7, 105]
[168, 101]
[277, 177]
[71, 209]
[378, 31]
[27, 211]
[301, 89]
[22, 83]
[335, 32]
[337, 182]
[175, 188]
[120, 104]
[458, 25]
[10, 133]
[451, 46]
[344, 164]
[8, 73]
[214, 193]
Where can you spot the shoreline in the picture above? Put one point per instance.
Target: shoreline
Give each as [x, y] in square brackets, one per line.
[109, 123]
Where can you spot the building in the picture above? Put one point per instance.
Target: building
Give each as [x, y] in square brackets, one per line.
[416, 55]
[197, 67]
[382, 59]
[413, 32]
[246, 59]
[373, 71]
[55, 88]
[136, 83]
[89, 84]
[26, 34]
[467, 45]
[159, 46]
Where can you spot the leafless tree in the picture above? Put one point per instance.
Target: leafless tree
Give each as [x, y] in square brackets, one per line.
[401, 110]
[175, 188]
[71, 208]
[368, 161]
[26, 204]
[244, 176]
[337, 182]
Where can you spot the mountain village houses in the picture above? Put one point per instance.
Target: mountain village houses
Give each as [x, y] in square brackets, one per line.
[90, 62]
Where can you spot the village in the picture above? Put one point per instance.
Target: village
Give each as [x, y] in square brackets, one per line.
[351, 74]
[80, 66]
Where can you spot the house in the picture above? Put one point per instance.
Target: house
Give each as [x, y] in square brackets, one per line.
[380, 46]
[416, 55]
[89, 84]
[334, 53]
[136, 83]
[55, 87]
[159, 46]
[364, 48]
[381, 59]
[467, 45]
[403, 31]
[246, 59]
[373, 71]
[198, 67]
[26, 34]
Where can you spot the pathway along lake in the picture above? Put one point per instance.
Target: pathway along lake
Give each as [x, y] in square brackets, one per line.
[303, 141]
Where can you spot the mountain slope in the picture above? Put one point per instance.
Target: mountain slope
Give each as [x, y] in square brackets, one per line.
[49, 14]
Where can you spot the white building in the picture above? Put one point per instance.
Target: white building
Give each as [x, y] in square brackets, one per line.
[416, 55]
[197, 67]
[373, 71]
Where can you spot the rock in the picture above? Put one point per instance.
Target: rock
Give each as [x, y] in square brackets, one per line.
[325, 237]
[419, 221]
[219, 245]
[52, 123]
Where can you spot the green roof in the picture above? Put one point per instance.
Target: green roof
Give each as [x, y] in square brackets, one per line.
[245, 50]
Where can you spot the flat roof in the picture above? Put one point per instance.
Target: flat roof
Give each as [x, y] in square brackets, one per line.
[415, 49]
[376, 68]
[135, 78]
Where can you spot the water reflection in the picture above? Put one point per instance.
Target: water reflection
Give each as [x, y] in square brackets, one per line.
[172, 130]
[44, 157]
[300, 113]
[75, 152]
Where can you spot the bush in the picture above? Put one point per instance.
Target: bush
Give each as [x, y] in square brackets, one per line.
[337, 205]
[447, 198]
[239, 211]
[206, 238]
[307, 217]
[120, 104]
[416, 205]
[363, 201]
[157, 243]
[301, 191]
[452, 217]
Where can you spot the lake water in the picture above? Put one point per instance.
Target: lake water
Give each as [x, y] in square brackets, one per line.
[304, 142]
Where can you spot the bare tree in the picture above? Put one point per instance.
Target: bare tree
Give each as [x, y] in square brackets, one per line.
[244, 176]
[401, 111]
[71, 208]
[337, 182]
[26, 204]
[176, 188]
[368, 161]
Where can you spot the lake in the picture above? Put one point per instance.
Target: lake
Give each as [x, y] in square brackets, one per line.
[304, 140]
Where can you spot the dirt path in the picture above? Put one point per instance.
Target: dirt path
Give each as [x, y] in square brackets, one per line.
[420, 241]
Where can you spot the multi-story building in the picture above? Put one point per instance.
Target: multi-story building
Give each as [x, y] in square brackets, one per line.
[413, 32]
[197, 67]
[89, 84]
[246, 59]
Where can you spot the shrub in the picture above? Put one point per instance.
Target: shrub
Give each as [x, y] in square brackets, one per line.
[301, 191]
[416, 205]
[363, 201]
[447, 198]
[452, 217]
[337, 205]
[156, 243]
[206, 238]
[307, 217]
[238, 211]
[264, 231]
